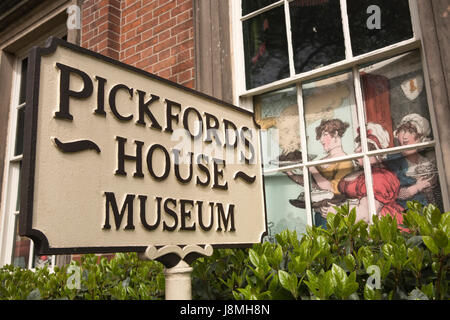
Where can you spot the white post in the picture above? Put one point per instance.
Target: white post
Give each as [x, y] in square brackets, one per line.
[178, 282]
[178, 278]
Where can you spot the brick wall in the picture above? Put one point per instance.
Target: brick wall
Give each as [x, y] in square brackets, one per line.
[100, 26]
[154, 35]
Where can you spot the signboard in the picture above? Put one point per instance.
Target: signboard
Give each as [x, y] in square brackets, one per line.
[118, 159]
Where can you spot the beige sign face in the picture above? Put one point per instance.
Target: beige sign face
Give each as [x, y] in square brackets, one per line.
[118, 159]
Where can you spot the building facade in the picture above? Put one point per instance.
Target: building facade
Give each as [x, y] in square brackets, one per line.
[352, 96]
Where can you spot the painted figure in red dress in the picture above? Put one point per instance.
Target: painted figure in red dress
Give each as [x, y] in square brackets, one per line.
[386, 185]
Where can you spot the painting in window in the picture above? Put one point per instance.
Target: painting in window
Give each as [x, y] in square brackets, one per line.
[283, 211]
[410, 175]
[325, 183]
[418, 176]
[265, 46]
[394, 93]
[277, 114]
[350, 185]
[43, 261]
[330, 116]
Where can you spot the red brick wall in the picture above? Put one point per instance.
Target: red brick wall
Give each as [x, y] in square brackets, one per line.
[154, 35]
[100, 26]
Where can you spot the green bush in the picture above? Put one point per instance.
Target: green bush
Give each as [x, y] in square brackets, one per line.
[348, 260]
[123, 277]
[339, 262]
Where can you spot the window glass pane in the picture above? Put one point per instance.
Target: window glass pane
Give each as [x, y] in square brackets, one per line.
[284, 210]
[18, 189]
[23, 81]
[277, 114]
[42, 261]
[336, 184]
[330, 116]
[18, 150]
[21, 249]
[265, 46]
[417, 175]
[386, 189]
[317, 35]
[386, 23]
[395, 98]
[249, 6]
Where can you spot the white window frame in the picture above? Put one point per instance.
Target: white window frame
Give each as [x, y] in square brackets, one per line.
[8, 213]
[244, 97]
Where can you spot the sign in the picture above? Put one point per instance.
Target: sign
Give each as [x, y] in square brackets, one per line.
[118, 159]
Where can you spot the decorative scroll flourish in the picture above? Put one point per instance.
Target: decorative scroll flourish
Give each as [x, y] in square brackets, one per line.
[153, 253]
[76, 146]
[245, 177]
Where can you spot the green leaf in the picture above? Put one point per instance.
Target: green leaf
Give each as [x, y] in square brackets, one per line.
[433, 214]
[388, 251]
[414, 241]
[431, 245]
[440, 238]
[365, 256]
[444, 224]
[313, 283]
[289, 282]
[254, 257]
[428, 290]
[327, 285]
[350, 262]
[336, 221]
[322, 242]
[371, 294]
[350, 288]
[283, 276]
[277, 256]
[274, 283]
[416, 255]
[352, 216]
[425, 227]
[299, 266]
[447, 249]
[339, 275]
[350, 285]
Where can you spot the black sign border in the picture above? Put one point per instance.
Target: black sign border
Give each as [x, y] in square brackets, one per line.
[29, 152]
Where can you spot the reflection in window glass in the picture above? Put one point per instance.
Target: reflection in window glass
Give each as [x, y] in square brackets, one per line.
[395, 96]
[317, 35]
[277, 114]
[18, 189]
[18, 149]
[23, 81]
[418, 177]
[42, 261]
[21, 249]
[387, 23]
[249, 6]
[265, 46]
[284, 208]
[330, 116]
